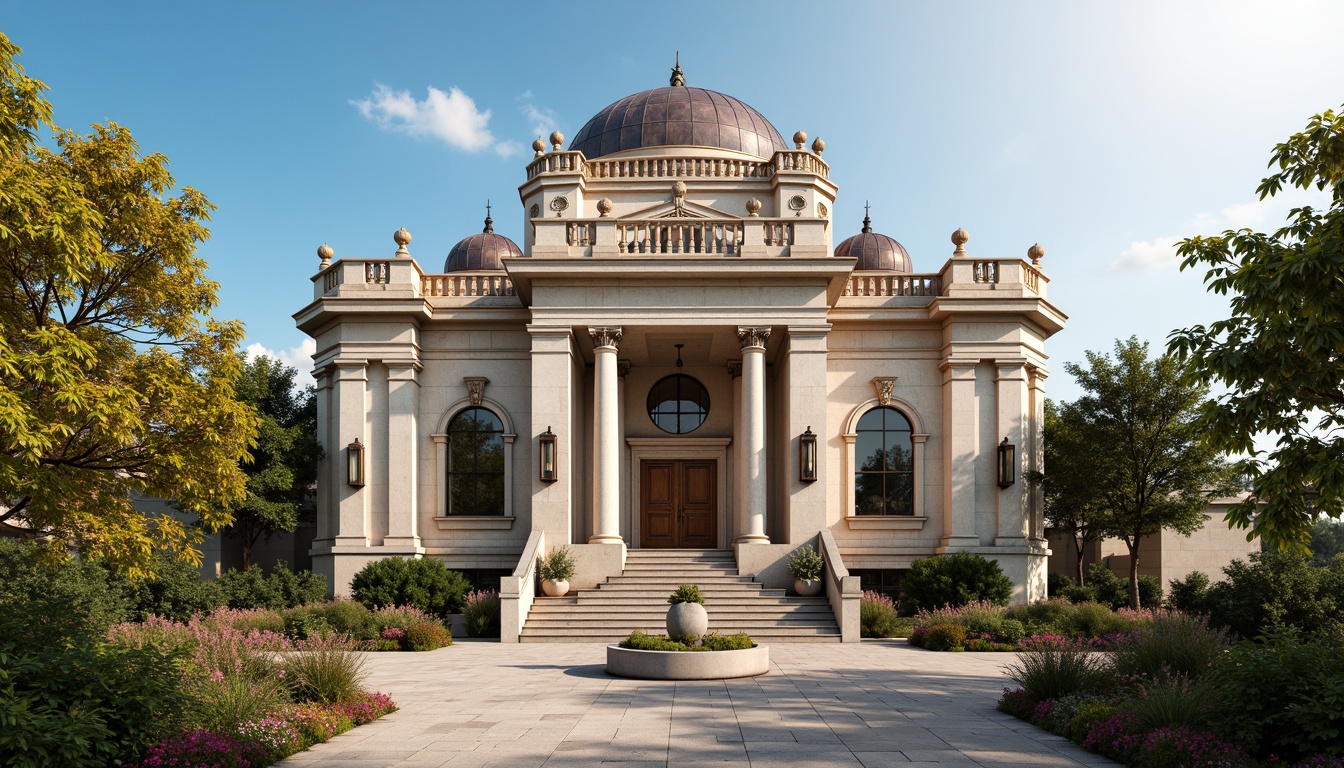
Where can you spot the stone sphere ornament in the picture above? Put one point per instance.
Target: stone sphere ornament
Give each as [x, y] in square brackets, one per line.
[1035, 253]
[818, 145]
[687, 620]
[604, 206]
[959, 239]
[325, 252]
[539, 147]
[557, 138]
[799, 139]
[402, 238]
[753, 207]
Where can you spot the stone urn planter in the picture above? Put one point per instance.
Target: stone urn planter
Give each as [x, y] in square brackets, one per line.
[686, 665]
[687, 620]
[807, 587]
[555, 587]
[555, 570]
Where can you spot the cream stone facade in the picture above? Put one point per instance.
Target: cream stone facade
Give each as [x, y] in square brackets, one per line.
[679, 236]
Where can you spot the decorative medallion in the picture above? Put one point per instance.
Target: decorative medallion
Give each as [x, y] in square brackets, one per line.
[753, 337]
[559, 204]
[884, 388]
[534, 211]
[797, 203]
[605, 337]
[475, 388]
[821, 210]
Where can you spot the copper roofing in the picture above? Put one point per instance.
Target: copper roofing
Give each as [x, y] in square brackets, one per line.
[481, 251]
[678, 115]
[875, 251]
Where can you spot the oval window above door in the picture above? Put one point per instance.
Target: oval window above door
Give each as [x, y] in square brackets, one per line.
[678, 404]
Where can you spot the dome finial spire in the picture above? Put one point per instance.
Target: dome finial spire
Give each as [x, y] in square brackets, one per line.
[867, 222]
[677, 77]
[489, 222]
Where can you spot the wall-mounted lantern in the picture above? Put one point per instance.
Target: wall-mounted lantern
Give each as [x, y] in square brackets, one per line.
[354, 464]
[546, 459]
[1007, 463]
[807, 456]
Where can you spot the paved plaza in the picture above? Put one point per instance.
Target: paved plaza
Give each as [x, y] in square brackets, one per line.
[870, 705]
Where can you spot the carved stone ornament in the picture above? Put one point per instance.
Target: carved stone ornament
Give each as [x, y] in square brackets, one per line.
[325, 252]
[604, 206]
[884, 387]
[734, 368]
[557, 138]
[559, 204]
[605, 337]
[475, 388]
[622, 368]
[959, 239]
[753, 207]
[539, 147]
[1035, 253]
[753, 337]
[797, 203]
[799, 139]
[821, 210]
[818, 146]
[402, 238]
[534, 211]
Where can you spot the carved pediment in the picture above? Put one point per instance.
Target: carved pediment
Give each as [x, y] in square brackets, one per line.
[687, 210]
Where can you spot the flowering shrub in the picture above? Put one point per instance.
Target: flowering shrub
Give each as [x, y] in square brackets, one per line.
[482, 613]
[877, 615]
[1190, 748]
[425, 636]
[153, 631]
[1017, 703]
[316, 723]
[1118, 737]
[368, 707]
[246, 620]
[326, 669]
[945, 636]
[277, 736]
[204, 749]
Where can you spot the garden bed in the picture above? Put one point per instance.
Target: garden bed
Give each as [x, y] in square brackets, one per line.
[687, 665]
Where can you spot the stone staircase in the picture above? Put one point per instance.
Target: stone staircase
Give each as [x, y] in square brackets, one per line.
[637, 599]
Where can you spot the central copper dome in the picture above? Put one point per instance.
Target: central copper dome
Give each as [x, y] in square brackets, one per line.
[678, 116]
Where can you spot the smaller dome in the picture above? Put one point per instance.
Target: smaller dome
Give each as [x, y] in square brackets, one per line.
[875, 251]
[481, 251]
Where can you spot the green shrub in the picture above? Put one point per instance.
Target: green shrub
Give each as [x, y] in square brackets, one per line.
[325, 670]
[711, 642]
[1044, 617]
[686, 593]
[421, 583]
[399, 617]
[1093, 620]
[298, 587]
[1277, 588]
[1190, 594]
[347, 617]
[945, 636]
[1106, 586]
[1169, 701]
[304, 622]
[223, 704]
[1088, 716]
[805, 563]
[482, 613]
[1150, 592]
[1284, 696]
[247, 619]
[736, 642]
[1056, 583]
[176, 592]
[1167, 645]
[283, 588]
[85, 596]
[877, 615]
[559, 565]
[955, 579]
[1010, 631]
[1052, 670]
[426, 636]
[1079, 594]
[641, 642]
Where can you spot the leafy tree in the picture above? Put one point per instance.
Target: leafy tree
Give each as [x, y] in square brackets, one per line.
[1281, 353]
[113, 377]
[283, 465]
[1139, 449]
[1327, 541]
[1071, 504]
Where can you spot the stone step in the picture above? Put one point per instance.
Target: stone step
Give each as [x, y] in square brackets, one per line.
[629, 606]
[698, 580]
[644, 590]
[760, 638]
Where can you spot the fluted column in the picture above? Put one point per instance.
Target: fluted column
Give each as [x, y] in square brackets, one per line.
[606, 437]
[753, 432]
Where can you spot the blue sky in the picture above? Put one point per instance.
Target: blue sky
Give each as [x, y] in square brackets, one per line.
[1104, 131]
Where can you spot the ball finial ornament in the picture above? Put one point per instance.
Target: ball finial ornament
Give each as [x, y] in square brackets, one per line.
[557, 138]
[754, 207]
[799, 139]
[959, 239]
[604, 206]
[1035, 253]
[818, 145]
[402, 238]
[539, 147]
[325, 252]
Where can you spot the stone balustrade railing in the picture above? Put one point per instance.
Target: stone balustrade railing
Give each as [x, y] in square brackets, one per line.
[377, 272]
[466, 284]
[678, 167]
[580, 233]
[703, 236]
[869, 284]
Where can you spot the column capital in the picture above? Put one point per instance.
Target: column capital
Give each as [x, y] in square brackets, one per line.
[606, 336]
[753, 336]
[734, 368]
[622, 368]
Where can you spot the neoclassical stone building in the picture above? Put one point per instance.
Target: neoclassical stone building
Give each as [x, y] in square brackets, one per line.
[685, 352]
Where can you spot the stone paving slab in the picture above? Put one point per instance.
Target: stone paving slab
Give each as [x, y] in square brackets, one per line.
[877, 704]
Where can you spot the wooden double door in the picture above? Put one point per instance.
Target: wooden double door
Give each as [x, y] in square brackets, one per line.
[678, 504]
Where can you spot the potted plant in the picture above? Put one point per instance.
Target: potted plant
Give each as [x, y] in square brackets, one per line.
[555, 570]
[687, 617]
[805, 566]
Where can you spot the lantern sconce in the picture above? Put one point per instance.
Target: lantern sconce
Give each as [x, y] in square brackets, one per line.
[1007, 463]
[547, 457]
[807, 456]
[354, 464]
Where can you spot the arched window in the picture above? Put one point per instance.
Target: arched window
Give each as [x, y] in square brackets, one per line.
[884, 483]
[678, 404]
[475, 463]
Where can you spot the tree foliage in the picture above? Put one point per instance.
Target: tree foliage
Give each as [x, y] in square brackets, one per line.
[1281, 352]
[113, 377]
[1136, 450]
[1071, 504]
[283, 464]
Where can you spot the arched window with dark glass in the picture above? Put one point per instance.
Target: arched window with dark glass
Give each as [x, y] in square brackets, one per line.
[885, 481]
[475, 463]
[678, 404]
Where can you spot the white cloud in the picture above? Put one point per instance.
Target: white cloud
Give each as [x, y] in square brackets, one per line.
[543, 120]
[299, 358]
[450, 117]
[1267, 214]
